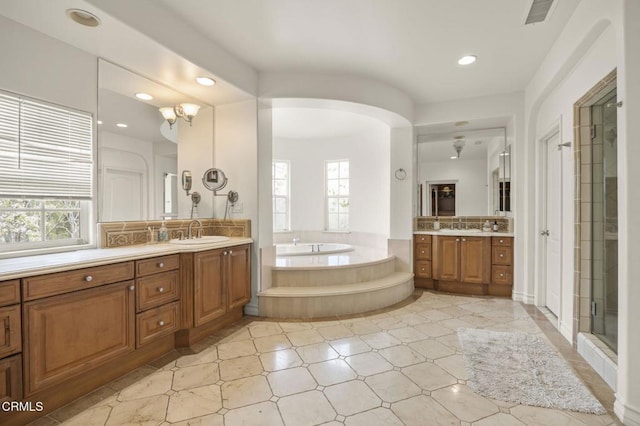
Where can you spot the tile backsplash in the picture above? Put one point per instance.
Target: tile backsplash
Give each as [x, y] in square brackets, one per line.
[425, 223]
[120, 234]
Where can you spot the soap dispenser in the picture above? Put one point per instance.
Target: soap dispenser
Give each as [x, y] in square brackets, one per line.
[436, 224]
[163, 232]
[495, 226]
[486, 227]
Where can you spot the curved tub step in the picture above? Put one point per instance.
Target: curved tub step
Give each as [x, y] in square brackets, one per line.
[323, 276]
[332, 300]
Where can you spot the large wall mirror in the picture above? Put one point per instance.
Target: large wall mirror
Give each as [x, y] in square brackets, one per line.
[138, 152]
[464, 171]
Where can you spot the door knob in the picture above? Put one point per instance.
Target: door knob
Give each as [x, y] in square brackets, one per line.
[545, 233]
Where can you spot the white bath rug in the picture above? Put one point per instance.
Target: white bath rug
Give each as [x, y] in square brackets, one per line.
[522, 368]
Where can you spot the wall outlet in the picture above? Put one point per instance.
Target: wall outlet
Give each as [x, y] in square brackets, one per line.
[237, 208]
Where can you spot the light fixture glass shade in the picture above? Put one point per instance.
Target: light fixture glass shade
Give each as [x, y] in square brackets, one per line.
[467, 60]
[190, 110]
[169, 114]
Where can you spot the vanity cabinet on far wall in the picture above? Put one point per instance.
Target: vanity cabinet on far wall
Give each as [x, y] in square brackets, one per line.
[479, 265]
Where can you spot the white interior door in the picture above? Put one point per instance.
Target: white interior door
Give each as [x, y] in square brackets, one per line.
[552, 229]
[123, 195]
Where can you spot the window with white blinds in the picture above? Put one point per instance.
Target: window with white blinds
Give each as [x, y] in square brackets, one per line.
[45, 150]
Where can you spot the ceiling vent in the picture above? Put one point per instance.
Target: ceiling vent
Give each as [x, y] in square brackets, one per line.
[539, 11]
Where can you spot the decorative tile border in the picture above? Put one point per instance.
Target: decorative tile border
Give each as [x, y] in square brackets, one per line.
[120, 234]
[425, 223]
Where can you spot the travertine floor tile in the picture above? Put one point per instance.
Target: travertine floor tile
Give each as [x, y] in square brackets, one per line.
[308, 408]
[399, 366]
[392, 386]
[352, 397]
[331, 372]
[464, 404]
[293, 380]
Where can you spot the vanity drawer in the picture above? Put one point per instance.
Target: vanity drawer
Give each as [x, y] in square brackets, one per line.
[64, 282]
[502, 241]
[501, 255]
[156, 290]
[156, 265]
[10, 331]
[423, 269]
[156, 323]
[423, 251]
[422, 239]
[9, 292]
[501, 274]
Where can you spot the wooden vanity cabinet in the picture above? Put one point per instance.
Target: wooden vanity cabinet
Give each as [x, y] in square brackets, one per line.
[462, 264]
[501, 266]
[10, 342]
[422, 267]
[222, 282]
[71, 334]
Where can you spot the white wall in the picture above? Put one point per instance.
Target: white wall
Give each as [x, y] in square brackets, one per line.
[557, 106]
[368, 155]
[235, 151]
[470, 177]
[195, 153]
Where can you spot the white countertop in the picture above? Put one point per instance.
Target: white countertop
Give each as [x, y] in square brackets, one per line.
[465, 234]
[19, 267]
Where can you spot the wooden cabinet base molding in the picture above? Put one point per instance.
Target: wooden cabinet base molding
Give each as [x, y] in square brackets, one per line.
[190, 336]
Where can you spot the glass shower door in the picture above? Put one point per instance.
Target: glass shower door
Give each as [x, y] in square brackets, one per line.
[604, 213]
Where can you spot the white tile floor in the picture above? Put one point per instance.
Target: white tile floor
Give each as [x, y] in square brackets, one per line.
[400, 367]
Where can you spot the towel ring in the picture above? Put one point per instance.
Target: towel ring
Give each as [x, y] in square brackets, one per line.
[401, 174]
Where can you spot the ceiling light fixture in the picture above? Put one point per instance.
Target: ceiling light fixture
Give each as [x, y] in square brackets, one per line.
[458, 144]
[185, 111]
[205, 81]
[122, 125]
[467, 60]
[144, 96]
[83, 17]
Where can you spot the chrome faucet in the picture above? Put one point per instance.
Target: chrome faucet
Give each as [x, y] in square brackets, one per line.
[189, 231]
[295, 241]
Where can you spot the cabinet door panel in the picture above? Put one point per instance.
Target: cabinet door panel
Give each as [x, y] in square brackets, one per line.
[209, 295]
[502, 255]
[10, 331]
[11, 379]
[448, 259]
[156, 290]
[238, 276]
[475, 266]
[423, 269]
[73, 333]
[423, 251]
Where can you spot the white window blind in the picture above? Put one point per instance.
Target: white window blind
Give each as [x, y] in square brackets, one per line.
[45, 150]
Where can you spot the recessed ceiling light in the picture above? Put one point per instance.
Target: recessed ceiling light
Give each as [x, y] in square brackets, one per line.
[99, 121]
[205, 81]
[467, 60]
[453, 157]
[122, 125]
[144, 96]
[83, 17]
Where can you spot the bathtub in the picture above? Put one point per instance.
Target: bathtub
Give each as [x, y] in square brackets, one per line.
[308, 249]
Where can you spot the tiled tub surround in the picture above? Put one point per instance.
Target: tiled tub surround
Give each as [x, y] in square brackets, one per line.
[425, 223]
[398, 366]
[119, 234]
[323, 285]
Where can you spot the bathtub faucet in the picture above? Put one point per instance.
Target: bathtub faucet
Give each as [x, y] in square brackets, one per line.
[315, 248]
[295, 241]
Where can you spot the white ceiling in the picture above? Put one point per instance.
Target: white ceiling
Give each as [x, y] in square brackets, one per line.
[410, 44]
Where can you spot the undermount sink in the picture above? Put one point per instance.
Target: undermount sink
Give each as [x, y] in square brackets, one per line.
[209, 239]
[460, 231]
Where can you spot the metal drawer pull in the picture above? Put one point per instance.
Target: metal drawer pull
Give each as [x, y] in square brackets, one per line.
[161, 265]
[88, 278]
[502, 274]
[230, 251]
[501, 254]
[457, 239]
[225, 253]
[132, 287]
[422, 251]
[501, 241]
[160, 290]
[160, 323]
[464, 239]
